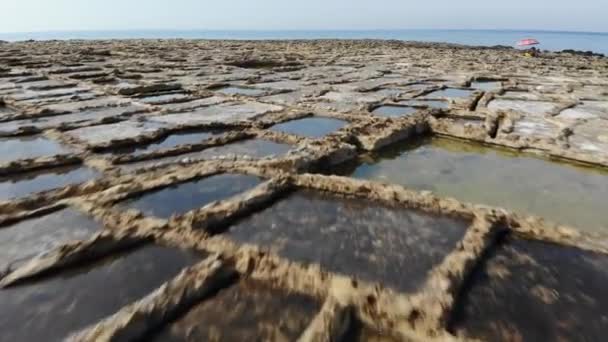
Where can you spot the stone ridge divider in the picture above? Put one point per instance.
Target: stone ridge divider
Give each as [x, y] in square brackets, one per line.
[8, 219]
[224, 139]
[100, 245]
[33, 164]
[67, 126]
[127, 228]
[445, 282]
[32, 112]
[331, 323]
[215, 216]
[134, 321]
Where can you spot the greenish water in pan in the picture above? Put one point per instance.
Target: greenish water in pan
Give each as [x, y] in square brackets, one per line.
[314, 127]
[563, 193]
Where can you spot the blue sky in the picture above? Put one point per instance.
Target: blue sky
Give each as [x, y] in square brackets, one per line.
[51, 15]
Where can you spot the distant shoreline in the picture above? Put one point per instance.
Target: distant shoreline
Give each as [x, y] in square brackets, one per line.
[550, 40]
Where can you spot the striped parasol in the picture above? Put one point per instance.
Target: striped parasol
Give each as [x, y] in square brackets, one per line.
[528, 42]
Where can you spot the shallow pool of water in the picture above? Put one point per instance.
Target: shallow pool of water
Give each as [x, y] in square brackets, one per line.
[393, 111]
[450, 93]
[438, 104]
[170, 141]
[12, 149]
[181, 198]
[50, 309]
[393, 246]
[254, 148]
[535, 291]
[525, 183]
[315, 127]
[28, 183]
[247, 311]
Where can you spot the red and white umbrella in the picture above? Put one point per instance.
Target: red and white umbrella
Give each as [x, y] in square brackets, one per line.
[528, 42]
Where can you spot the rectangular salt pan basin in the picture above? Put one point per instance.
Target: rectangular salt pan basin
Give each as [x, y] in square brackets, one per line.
[393, 111]
[393, 246]
[29, 183]
[181, 198]
[310, 127]
[560, 192]
[168, 142]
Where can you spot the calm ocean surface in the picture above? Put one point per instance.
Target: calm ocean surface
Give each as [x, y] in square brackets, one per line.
[597, 42]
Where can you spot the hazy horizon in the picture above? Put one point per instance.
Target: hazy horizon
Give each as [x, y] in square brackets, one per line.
[309, 30]
[313, 15]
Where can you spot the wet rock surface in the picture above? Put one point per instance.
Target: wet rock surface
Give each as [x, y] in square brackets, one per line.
[408, 247]
[26, 239]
